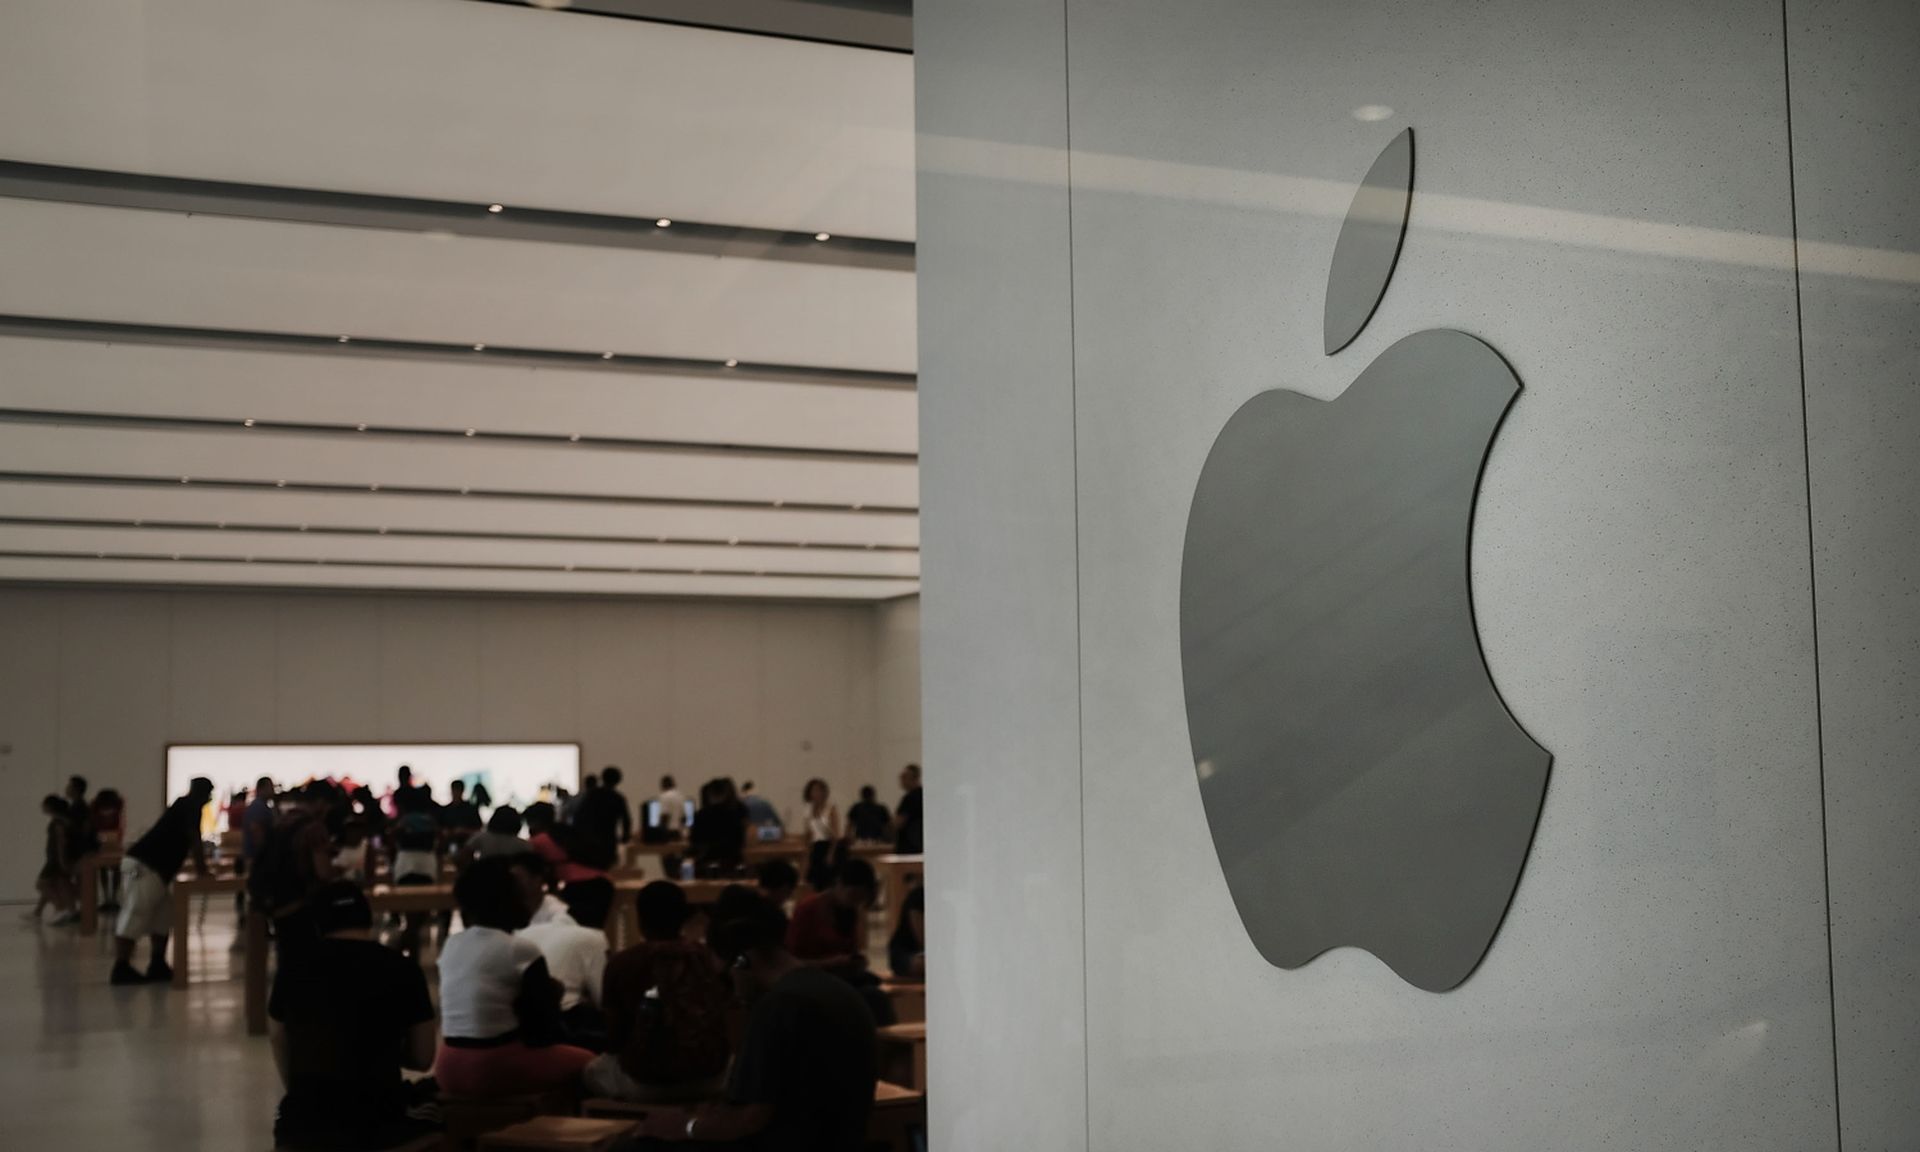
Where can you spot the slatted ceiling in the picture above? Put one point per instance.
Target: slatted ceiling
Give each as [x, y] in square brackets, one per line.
[235, 572]
[171, 503]
[306, 547]
[222, 384]
[89, 262]
[452, 100]
[141, 322]
[448, 465]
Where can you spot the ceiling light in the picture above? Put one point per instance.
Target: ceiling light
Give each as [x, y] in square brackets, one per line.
[496, 208]
[303, 527]
[247, 423]
[464, 491]
[176, 555]
[139, 523]
[856, 507]
[344, 339]
[186, 479]
[1372, 113]
[373, 487]
[479, 347]
[606, 355]
[778, 503]
[470, 432]
[569, 567]
[659, 539]
[732, 363]
[383, 530]
[221, 524]
[663, 222]
[870, 547]
[575, 437]
[359, 427]
[279, 483]
[99, 555]
[823, 235]
[733, 539]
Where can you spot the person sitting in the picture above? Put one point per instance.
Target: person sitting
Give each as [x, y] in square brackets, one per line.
[829, 932]
[760, 810]
[869, 821]
[572, 860]
[907, 947]
[806, 1071]
[146, 874]
[346, 1018]
[350, 854]
[574, 942]
[501, 838]
[499, 1003]
[778, 881]
[666, 1000]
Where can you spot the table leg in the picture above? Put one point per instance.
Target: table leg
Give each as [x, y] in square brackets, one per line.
[256, 972]
[182, 924]
[89, 894]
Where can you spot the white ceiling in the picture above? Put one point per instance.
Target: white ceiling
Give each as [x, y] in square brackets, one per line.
[277, 397]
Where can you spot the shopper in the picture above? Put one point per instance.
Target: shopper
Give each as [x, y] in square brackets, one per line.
[146, 875]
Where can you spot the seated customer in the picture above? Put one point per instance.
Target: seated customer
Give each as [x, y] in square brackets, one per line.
[574, 942]
[347, 1017]
[805, 1075]
[907, 947]
[502, 837]
[499, 1005]
[829, 931]
[666, 1001]
[778, 881]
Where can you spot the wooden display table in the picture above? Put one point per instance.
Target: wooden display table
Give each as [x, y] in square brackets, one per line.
[91, 865]
[185, 888]
[559, 1134]
[895, 869]
[903, 1054]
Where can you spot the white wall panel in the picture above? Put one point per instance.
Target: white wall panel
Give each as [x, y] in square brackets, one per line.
[452, 100]
[1856, 148]
[328, 668]
[716, 676]
[150, 267]
[818, 707]
[1007, 1048]
[30, 694]
[625, 697]
[232, 385]
[225, 662]
[1639, 572]
[896, 673]
[529, 674]
[116, 693]
[264, 456]
[190, 504]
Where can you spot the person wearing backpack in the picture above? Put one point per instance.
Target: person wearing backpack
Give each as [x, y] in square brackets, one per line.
[667, 1001]
[292, 857]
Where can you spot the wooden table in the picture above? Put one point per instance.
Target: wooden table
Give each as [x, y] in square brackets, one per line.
[91, 865]
[557, 1133]
[185, 888]
[903, 1054]
[894, 869]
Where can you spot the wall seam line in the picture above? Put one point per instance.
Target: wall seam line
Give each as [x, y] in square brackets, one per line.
[1813, 589]
[1079, 659]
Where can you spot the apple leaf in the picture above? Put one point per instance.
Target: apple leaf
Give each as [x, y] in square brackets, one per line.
[1369, 243]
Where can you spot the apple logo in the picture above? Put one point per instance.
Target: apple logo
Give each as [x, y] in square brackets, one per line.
[1363, 781]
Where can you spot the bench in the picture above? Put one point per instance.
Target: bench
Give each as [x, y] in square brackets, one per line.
[468, 1118]
[903, 1055]
[559, 1134]
[898, 1112]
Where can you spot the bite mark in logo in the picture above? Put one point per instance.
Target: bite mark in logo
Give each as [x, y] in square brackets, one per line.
[1363, 780]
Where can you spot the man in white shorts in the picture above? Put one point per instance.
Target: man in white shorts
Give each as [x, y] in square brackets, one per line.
[146, 875]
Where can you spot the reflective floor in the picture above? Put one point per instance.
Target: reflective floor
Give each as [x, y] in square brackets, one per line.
[88, 1066]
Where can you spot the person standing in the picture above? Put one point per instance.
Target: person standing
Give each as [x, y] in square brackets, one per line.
[459, 816]
[869, 821]
[820, 820]
[146, 879]
[907, 827]
[672, 808]
[55, 883]
[604, 813]
[253, 822]
[760, 810]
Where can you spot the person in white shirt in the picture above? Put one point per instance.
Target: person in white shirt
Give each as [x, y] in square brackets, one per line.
[820, 818]
[499, 1003]
[574, 942]
[672, 807]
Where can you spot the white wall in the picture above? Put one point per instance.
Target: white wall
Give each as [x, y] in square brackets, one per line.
[896, 686]
[99, 682]
[1608, 203]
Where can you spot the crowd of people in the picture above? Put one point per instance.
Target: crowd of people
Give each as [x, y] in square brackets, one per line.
[76, 826]
[739, 1020]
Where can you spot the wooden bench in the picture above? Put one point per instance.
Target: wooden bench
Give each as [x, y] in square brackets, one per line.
[468, 1118]
[898, 1112]
[903, 1055]
[559, 1134]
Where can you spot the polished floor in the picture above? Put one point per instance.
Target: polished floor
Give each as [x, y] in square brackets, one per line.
[88, 1066]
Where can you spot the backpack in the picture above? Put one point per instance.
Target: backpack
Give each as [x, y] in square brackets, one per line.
[682, 1023]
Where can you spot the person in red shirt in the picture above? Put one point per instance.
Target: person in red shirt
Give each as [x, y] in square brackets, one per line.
[829, 929]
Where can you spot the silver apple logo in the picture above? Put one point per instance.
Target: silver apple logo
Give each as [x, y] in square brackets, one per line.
[1363, 781]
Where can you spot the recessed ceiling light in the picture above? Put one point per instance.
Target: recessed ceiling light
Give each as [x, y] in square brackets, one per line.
[303, 527]
[856, 507]
[823, 235]
[663, 222]
[732, 363]
[464, 491]
[279, 483]
[186, 479]
[176, 555]
[383, 530]
[479, 347]
[778, 503]
[733, 539]
[247, 423]
[221, 524]
[606, 355]
[496, 208]
[1372, 113]
[99, 555]
[470, 432]
[139, 523]
[575, 437]
[345, 339]
[373, 487]
[359, 427]
[569, 567]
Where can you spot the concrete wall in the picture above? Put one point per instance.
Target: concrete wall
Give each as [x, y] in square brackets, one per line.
[99, 682]
[1609, 202]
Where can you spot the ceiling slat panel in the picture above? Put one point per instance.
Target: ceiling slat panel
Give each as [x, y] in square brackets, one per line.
[225, 384]
[404, 462]
[362, 511]
[461, 101]
[15, 568]
[132, 266]
[388, 549]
